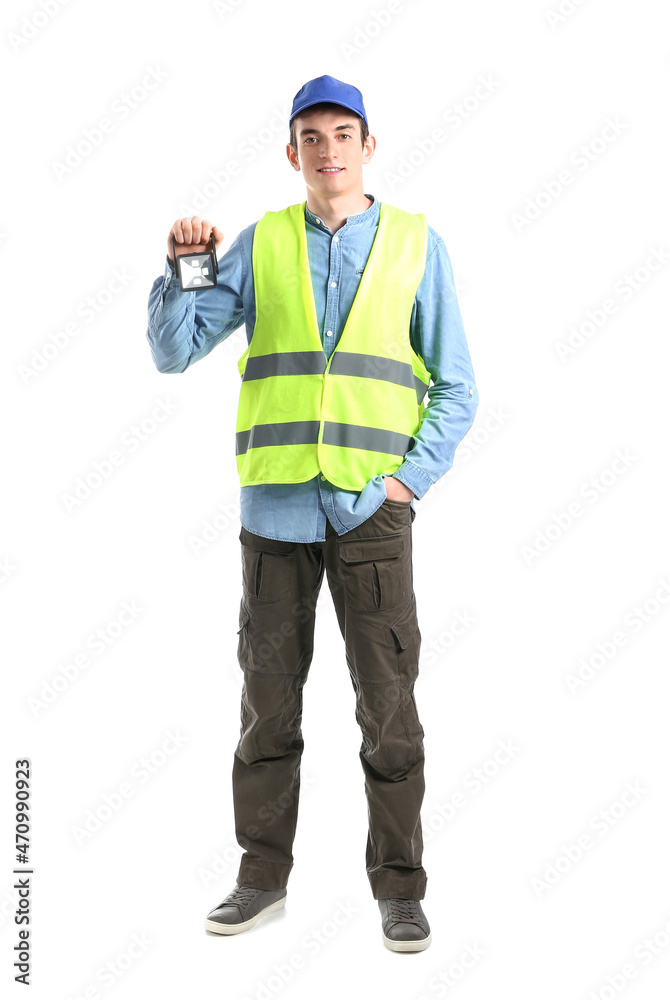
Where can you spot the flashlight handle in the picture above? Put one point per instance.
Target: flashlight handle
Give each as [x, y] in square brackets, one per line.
[216, 263]
[211, 238]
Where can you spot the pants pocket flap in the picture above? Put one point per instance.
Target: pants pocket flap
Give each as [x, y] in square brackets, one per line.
[354, 550]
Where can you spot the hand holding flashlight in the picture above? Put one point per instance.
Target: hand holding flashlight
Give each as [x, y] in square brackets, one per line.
[192, 236]
[196, 262]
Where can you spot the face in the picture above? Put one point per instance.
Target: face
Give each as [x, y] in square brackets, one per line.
[327, 140]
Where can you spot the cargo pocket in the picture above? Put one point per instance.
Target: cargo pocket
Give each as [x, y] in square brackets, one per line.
[407, 640]
[244, 617]
[243, 651]
[373, 571]
[266, 574]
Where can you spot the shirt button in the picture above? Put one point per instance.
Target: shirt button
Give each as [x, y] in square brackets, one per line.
[329, 333]
[323, 478]
[333, 284]
[336, 239]
[318, 220]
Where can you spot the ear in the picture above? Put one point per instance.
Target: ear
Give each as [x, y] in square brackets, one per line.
[292, 156]
[369, 148]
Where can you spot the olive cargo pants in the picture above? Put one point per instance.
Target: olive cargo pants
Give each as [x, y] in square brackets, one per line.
[369, 571]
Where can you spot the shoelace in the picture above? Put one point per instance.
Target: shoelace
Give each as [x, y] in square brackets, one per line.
[404, 910]
[241, 894]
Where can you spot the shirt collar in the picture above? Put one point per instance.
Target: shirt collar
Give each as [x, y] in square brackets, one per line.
[369, 217]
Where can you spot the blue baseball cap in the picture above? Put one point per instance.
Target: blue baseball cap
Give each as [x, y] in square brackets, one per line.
[327, 88]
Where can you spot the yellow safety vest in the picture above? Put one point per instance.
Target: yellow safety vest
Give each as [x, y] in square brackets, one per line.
[352, 416]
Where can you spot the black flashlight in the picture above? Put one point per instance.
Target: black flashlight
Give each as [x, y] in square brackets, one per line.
[196, 270]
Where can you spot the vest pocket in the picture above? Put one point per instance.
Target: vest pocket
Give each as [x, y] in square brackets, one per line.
[374, 571]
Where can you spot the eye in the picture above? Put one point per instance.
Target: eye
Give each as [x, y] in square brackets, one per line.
[345, 135]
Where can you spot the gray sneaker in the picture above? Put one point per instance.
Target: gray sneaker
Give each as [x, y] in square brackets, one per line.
[404, 925]
[242, 908]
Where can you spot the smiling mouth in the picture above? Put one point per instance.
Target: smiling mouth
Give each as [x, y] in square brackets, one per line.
[330, 170]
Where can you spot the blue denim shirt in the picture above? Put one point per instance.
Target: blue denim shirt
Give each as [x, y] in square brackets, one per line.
[186, 326]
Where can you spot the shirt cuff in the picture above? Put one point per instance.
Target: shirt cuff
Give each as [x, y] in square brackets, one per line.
[414, 478]
[170, 276]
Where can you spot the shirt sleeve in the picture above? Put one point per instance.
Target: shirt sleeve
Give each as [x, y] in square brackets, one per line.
[437, 334]
[186, 326]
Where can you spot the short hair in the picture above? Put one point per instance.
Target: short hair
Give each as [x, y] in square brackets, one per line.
[328, 106]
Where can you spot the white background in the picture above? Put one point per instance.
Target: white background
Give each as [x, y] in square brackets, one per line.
[546, 426]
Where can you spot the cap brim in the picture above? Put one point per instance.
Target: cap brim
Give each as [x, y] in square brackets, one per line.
[312, 103]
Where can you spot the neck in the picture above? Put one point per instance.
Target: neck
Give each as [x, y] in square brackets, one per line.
[335, 211]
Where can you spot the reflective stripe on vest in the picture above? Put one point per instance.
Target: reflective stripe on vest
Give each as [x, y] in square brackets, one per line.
[351, 417]
[314, 362]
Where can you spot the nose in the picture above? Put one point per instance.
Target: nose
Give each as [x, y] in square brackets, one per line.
[329, 150]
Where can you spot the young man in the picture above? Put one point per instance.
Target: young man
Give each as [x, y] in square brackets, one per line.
[350, 312]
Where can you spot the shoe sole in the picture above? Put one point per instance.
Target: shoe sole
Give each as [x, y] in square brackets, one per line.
[407, 945]
[219, 928]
